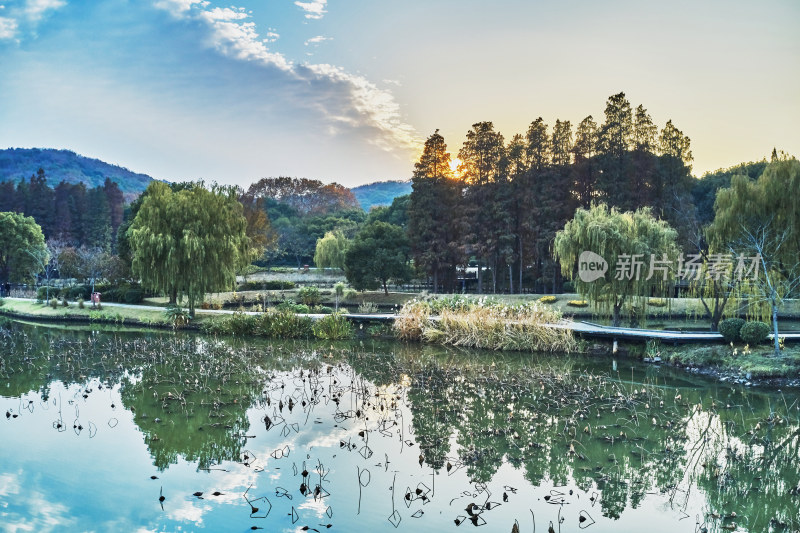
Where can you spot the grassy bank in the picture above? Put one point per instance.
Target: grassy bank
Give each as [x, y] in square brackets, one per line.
[737, 362]
[108, 314]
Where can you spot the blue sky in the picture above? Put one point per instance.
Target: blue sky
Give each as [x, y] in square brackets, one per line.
[348, 91]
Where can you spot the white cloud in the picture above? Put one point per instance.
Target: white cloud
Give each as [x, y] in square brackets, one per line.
[8, 28]
[177, 7]
[271, 36]
[314, 9]
[25, 15]
[318, 39]
[34, 9]
[344, 99]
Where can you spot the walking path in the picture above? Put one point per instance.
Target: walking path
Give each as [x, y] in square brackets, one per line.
[584, 329]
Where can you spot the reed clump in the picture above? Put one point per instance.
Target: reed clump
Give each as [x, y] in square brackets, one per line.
[483, 323]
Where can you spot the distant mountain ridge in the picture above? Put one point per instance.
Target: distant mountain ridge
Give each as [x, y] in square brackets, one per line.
[66, 165]
[380, 193]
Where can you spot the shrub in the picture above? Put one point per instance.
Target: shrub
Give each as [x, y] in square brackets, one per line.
[569, 286]
[54, 303]
[41, 292]
[309, 296]
[134, 296]
[549, 299]
[730, 329]
[657, 302]
[80, 303]
[324, 309]
[291, 307]
[64, 302]
[578, 303]
[284, 324]
[271, 285]
[79, 291]
[177, 316]
[754, 332]
[368, 307]
[2, 302]
[240, 324]
[349, 294]
[333, 327]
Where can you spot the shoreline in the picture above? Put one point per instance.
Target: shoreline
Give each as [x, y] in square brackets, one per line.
[705, 358]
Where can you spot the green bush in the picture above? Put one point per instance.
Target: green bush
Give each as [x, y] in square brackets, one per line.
[239, 324]
[177, 316]
[569, 286]
[271, 285]
[292, 307]
[309, 296]
[134, 296]
[333, 328]
[41, 292]
[54, 303]
[79, 291]
[754, 332]
[323, 309]
[730, 329]
[284, 325]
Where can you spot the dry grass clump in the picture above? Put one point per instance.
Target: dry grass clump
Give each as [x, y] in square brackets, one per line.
[483, 323]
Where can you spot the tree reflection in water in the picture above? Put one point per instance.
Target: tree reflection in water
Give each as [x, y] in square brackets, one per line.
[561, 423]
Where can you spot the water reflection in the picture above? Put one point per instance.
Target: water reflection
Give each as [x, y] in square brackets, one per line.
[292, 435]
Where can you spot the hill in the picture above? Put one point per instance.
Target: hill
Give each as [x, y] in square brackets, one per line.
[380, 193]
[65, 165]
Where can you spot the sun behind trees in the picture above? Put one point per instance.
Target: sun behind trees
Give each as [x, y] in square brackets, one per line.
[189, 242]
[501, 212]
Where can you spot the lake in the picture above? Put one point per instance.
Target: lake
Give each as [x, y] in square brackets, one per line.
[154, 431]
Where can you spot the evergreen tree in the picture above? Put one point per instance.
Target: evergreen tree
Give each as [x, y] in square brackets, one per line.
[432, 226]
[538, 150]
[584, 170]
[39, 202]
[482, 162]
[562, 143]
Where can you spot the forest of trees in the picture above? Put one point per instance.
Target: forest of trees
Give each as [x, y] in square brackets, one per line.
[502, 205]
[71, 213]
[497, 207]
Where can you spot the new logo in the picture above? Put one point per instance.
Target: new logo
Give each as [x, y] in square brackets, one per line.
[591, 267]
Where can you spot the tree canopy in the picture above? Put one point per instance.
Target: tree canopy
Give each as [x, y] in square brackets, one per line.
[761, 219]
[631, 243]
[330, 250]
[378, 253]
[22, 247]
[189, 242]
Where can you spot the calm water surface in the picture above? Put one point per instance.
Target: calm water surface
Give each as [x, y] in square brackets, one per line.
[122, 431]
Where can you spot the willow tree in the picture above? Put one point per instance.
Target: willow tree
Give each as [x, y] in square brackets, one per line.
[637, 248]
[331, 249]
[761, 219]
[22, 247]
[189, 242]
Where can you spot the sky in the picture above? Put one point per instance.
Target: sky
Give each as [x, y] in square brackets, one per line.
[348, 91]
